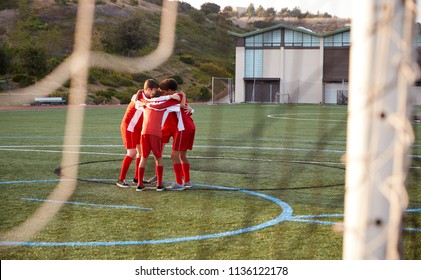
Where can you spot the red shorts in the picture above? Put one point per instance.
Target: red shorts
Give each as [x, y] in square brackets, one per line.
[167, 134]
[130, 139]
[183, 140]
[150, 143]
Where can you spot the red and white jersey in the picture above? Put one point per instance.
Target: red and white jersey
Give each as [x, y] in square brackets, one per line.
[154, 115]
[132, 119]
[187, 119]
[174, 116]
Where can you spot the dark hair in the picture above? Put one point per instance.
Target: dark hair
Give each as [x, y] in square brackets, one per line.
[151, 83]
[168, 84]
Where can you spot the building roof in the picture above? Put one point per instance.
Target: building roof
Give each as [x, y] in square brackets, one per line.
[277, 26]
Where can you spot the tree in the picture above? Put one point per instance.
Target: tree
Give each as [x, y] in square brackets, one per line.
[296, 12]
[250, 10]
[34, 61]
[228, 9]
[5, 60]
[129, 36]
[270, 12]
[284, 12]
[184, 7]
[260, 12]
[210, 8]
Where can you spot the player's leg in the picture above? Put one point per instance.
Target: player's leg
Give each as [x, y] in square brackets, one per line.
[156, 147]
[185, 145]
[145, 150]
[125, 165]
[185, 164]
[178, 171]
[142, 168]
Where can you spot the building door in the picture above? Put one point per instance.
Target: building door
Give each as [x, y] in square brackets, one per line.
[264, 91]
[331, 92]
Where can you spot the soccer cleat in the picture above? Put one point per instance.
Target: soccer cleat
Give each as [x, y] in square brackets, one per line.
[176, 187]
[135, 180]
[140, 188]
[152, 180]
[160, 188]
[122, 184]
[188, 185]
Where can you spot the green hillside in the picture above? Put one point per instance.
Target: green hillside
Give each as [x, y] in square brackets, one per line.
[37, 35]
[35, 38]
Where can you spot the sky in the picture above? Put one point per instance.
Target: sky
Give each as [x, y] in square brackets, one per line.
[339, 8]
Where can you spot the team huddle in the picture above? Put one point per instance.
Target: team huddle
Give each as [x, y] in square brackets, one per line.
[156, 114]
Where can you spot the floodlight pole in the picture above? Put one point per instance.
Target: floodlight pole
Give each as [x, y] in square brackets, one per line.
[379, 132]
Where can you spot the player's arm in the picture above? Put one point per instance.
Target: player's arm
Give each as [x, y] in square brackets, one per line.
[160, 99]
[135, 97]
[163, 104]
[184, 105]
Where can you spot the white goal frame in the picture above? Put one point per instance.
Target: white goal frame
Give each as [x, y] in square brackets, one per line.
[379, 134]
[222, 90]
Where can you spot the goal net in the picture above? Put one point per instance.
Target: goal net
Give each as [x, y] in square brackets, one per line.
[222, 90]
[269, 178]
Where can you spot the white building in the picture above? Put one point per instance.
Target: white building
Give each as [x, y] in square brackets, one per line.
[285, 64]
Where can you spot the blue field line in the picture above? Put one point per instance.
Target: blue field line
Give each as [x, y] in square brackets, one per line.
[34, 181]
[311, 219]
[413, 210]
[89, 204]
[285, 215]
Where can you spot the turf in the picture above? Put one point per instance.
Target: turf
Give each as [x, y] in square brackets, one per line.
[248, 160]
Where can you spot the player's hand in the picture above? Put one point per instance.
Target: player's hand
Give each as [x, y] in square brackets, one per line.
[188, 109]
[175, 96]
[134, 97]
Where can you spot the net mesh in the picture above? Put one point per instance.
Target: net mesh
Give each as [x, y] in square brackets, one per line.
[281, 160]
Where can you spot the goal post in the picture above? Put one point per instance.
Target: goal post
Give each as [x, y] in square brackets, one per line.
[222, 90]
[379, 132]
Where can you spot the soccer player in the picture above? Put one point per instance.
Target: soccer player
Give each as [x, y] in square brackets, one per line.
[181, 127]
[151, 136]
[131, 127]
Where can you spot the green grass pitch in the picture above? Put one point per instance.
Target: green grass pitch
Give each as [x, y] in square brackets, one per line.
[269, 184]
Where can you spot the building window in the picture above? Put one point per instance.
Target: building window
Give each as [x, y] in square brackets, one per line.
[299, 39]
[338, 40]
[266, 39]
[253, 64]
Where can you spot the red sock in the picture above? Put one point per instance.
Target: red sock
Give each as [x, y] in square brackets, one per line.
[124, 167]
[136, 172]
[186, 172]
[141, 174]
[159, 173]
[178, 171]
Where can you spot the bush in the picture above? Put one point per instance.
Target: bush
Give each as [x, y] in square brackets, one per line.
[103, 96]
[124, 97]
[108, 78]
[187, 59]
[23, 80]
[214, 70]
[140, 77]
[198, 93]
[34, 61]
[178, 79]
